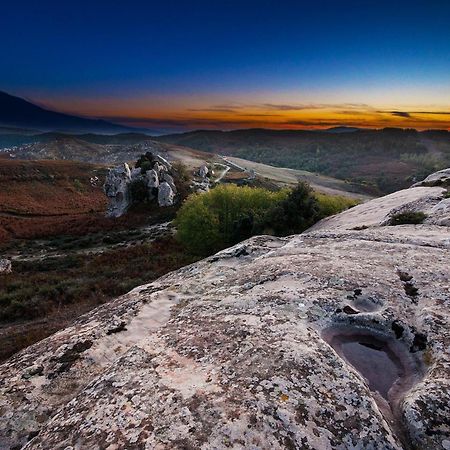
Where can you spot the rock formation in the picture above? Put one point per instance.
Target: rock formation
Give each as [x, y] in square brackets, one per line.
[202, 179]
[165, 194]
[116, 188]
[334, 339]
[160, 185]
[170, 181]
[5, 266]
[152, 183]
[441, 178]
[203, 171]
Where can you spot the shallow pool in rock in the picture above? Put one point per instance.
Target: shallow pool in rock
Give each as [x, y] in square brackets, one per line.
[385, 362]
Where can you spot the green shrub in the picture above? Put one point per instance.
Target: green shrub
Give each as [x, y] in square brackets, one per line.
[223, 216]
[228, 214]
[407, 217]
[78, 185]
[145, 162]
[294, 214]
[334, 204]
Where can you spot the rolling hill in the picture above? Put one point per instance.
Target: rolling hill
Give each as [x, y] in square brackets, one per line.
[381, 161]
[128, 147]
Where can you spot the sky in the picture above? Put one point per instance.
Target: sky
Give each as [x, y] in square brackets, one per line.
[181, 65]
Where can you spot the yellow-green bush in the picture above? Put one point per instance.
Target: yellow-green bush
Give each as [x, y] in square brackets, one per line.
[228, 214]
[333, 204]
[223, 216]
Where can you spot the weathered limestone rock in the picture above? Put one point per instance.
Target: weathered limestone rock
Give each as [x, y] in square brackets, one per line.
[170, 181]
[159, 169]
[162, 161]
[136, 174]
[203, 171]
[441, 178]
[5, 266]
[165, 194]
[152, 179]
[261, 346]
[152, 183]
[160, 184]
[116, 188]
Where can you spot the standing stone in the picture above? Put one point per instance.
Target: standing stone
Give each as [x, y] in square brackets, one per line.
[165, 194]
[116, 188]
[152, 178]
[152, 183]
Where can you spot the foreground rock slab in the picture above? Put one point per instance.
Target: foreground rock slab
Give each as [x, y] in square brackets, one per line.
[260, 346]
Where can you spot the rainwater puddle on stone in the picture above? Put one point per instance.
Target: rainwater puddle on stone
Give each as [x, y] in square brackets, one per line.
[374, 361]
[385, 362]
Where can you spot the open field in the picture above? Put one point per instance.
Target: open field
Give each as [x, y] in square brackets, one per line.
[290, 177]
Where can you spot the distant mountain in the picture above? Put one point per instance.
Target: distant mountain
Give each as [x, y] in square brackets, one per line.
[16, 112]
[341, 130]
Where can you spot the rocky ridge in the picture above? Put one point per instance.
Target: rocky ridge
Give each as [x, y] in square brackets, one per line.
[263, 345]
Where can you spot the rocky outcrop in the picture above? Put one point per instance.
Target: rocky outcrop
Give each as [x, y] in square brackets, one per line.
[202, 179]
[117, 189]
[441, 178]
[160, 185]
[5, 266]
[334, 339]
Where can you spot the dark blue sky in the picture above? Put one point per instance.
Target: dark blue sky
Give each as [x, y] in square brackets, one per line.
[175, 53]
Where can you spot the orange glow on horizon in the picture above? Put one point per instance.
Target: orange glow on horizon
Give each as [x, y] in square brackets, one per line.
[192, 113]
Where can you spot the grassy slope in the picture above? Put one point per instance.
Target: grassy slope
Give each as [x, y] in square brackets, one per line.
[45, 197]
[43, 296]
[55, 205]
[380, 161]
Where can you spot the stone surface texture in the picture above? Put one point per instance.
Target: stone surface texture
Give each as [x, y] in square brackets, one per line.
[5, 266]
[117, 190]
[229, 352]
[165, 194]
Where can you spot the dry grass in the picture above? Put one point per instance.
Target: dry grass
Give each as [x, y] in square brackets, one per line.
[40, 297]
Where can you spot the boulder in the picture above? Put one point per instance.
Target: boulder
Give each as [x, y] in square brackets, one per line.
[152, 183]
[165, 194]
[203, 171]
[263, 345]
[136, 174]
[5, 266]
[117, 190]
[169, 179]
